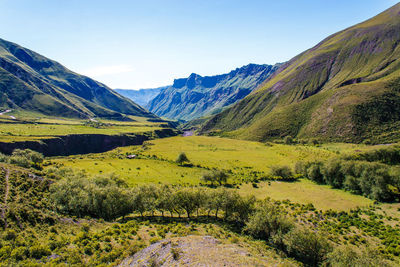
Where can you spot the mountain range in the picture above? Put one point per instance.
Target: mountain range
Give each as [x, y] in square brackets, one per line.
[34, 83]
[345, 88]
[141, 96]
[197, 96]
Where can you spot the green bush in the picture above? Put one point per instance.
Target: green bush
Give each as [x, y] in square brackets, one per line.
[26, 158]
[307, 246]
[344, 256]
[38, 251]
[282, 171]
[215, 176]
[19, 253]
[5, 252]
[268, 221]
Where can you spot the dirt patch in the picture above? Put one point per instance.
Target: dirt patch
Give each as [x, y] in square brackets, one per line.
[195, 251]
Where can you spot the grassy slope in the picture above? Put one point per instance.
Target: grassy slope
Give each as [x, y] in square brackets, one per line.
[319, 92]
[33, 82]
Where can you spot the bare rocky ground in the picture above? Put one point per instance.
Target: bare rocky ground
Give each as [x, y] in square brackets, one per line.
[197, 251]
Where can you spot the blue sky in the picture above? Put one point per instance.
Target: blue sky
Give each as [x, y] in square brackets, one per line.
[148, 43]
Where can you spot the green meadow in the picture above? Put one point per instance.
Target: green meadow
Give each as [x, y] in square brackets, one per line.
[155, 163]
[39, 128]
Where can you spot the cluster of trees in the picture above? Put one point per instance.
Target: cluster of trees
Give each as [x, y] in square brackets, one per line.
[373, 180]
[268, 222]
[388, 155]
[24, 158]
[104, 197]
[215, 177]
[108, 198]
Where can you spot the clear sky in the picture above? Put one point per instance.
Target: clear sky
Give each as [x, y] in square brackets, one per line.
[148, 43]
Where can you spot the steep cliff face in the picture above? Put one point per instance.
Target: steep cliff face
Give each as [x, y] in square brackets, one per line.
[83, 143]
[33, 82]
[196, 96]
[345, 88]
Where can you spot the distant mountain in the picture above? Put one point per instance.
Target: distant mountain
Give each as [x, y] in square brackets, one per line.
[345, 88]
[33, 82]
[197, 96]
[141, 96]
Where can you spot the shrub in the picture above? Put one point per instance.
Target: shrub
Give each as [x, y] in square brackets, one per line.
[5, 252]
[314, 172]
[307, 246]
[19, 253]
[20, 161]
[176, 253]
[282, 171]
[3, 158]
[26, 158]
[215, 176]
[268, 221]
[38, 251]
[346, 255]
[10, 235]
[333, 174]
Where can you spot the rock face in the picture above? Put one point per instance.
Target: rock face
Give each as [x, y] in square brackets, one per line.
[83, 143]
[194, 251]
[142, 96]
[32, 82]
[346, 88]
[197, 96]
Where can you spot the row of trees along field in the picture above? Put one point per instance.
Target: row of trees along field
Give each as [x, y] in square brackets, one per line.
[372, 174]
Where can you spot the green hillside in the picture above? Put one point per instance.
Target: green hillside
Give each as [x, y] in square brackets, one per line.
[35, 83]
[345, 88]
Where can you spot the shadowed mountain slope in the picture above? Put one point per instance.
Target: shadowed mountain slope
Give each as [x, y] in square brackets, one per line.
[197, 96]
[345, 88]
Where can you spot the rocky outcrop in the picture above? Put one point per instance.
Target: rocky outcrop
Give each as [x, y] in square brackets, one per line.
[83, 143]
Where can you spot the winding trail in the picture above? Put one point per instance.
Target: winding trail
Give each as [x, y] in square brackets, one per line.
[7, 185]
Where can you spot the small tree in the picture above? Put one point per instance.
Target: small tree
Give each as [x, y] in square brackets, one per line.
[282, 171]
[182, 158]
[307, 246]
[268, 221]
[187, 200]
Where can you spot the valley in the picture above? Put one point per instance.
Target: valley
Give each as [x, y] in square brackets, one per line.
[289, 164]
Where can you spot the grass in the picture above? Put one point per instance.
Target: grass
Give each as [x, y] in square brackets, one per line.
[135, 171]
[323, 197]
[244, 158]
[38, 128]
